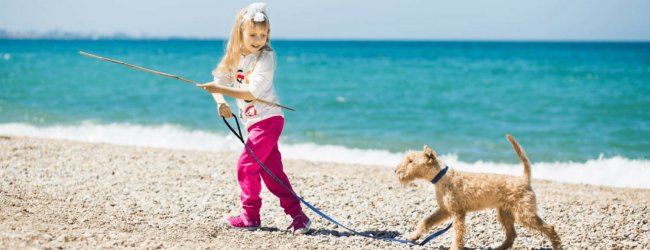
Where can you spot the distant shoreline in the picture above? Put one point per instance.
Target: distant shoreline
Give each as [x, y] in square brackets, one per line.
[4, 35]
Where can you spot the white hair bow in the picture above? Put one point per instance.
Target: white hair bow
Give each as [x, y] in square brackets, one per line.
[256, 11]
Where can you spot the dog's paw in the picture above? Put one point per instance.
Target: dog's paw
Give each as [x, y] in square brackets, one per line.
[413, 237]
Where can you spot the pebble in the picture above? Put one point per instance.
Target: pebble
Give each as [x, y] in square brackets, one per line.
[129, 197]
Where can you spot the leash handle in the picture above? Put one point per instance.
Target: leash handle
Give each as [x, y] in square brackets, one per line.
[241, 138]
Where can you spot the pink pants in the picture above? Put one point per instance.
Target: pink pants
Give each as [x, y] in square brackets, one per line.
[263, 141]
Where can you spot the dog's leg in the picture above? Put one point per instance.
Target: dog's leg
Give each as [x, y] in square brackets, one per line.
[507, 220]
[537, 223]
[459, 230]
[425, 225]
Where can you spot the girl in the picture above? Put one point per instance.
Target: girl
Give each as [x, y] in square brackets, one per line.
[249, 64]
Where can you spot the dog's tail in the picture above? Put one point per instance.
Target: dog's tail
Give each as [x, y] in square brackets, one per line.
[522, 157]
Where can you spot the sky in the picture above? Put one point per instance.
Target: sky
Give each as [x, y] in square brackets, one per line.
[541, 20]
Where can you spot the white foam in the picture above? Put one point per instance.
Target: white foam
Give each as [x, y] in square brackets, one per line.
[163, 136]
[616, 171]
[333, 153]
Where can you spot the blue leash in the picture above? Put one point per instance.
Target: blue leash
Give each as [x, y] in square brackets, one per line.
[241, 138]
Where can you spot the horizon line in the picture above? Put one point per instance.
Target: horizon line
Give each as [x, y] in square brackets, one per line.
[173, 38]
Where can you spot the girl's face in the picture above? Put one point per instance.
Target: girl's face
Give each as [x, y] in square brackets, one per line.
[254, 40]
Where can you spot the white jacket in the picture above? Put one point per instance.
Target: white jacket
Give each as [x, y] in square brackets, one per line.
[259, 82]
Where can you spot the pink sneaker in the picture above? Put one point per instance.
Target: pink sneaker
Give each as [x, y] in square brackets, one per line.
[300, 224]
[243, 222]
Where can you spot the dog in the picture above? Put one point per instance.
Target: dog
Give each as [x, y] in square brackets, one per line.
[459, 193]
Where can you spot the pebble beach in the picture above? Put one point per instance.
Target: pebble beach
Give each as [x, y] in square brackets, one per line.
[57, 194]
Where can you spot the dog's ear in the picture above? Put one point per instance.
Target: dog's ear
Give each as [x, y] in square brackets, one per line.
[429, 153]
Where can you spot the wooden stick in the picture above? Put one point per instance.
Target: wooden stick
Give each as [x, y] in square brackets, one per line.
[175, 77]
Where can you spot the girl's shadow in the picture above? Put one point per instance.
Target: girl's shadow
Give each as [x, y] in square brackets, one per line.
[382, 234]
[338, 234]
[335, 233]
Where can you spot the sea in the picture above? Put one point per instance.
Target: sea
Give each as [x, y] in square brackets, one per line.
[580, 110]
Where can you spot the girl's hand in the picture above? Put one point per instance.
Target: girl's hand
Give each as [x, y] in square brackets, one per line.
[211, 87]
[224, 110]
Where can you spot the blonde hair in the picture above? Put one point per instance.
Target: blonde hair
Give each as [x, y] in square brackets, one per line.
[232, 55]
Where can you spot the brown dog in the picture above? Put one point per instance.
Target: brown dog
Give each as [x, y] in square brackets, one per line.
[459, 193]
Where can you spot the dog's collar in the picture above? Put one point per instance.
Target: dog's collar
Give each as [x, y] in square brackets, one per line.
[439, 175]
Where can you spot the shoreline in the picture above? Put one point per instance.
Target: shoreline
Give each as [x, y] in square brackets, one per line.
[59, 193]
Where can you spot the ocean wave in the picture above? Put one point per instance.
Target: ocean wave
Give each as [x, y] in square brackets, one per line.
[616, 171]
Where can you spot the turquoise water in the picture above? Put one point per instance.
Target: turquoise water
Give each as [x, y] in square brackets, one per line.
[564, 102]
